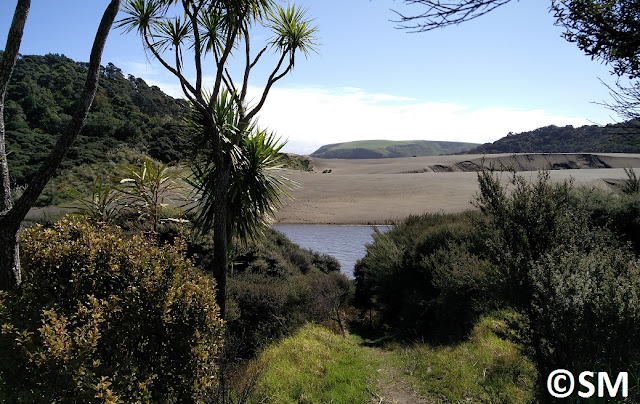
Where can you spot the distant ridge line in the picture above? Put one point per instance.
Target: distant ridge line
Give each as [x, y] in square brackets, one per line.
[376, 149]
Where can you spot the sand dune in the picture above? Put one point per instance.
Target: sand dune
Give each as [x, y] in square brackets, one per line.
[388, 190]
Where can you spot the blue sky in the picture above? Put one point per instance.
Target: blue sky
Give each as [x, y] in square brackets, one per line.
[509, 71]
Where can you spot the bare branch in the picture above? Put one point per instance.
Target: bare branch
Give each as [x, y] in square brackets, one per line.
[228, 81]
[440, 14]
[193, 16]
[626, 100]
[58, 153]
[175, 72]
[183, 83]
[247, 68]
[8, 61]
[272, 79]
[230, 40]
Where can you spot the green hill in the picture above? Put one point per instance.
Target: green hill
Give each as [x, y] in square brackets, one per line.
[375, 149]
[126, 113]
[618, 138]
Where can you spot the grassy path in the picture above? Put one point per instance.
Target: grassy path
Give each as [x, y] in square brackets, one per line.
[317, 366]
[393, 385]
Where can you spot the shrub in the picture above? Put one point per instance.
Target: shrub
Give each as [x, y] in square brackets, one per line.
[264, 307]
[107, 318]
[423, 278]
[576, 283]
[274, 287]
[618, 212]
[555, 255]
[587, 307]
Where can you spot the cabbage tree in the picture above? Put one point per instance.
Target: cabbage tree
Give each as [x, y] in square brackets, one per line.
[209, 35]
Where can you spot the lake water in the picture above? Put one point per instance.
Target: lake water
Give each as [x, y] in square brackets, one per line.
[345, 242]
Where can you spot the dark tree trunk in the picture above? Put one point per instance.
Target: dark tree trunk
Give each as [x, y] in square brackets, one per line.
[9, 258]
[14, 38]
[13, 216]
[9, 250]
[221, 238]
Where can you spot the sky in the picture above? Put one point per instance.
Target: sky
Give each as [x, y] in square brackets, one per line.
[508, 71]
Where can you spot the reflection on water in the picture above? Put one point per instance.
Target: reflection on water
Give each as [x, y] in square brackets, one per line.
[345, 242]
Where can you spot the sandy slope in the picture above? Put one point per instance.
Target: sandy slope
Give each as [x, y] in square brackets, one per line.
[384, 190]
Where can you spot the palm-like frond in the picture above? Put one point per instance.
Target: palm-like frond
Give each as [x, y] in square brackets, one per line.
[292, 30]
[256, 184]
[212, 27]
[149, 188]
[102, 205]
[171, 33]
[141, 15]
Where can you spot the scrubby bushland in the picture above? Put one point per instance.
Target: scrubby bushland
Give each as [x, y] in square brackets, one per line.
[617, 211]
[578, 285]
[274, 287]
[106, 317]
[424, 278]
[557, 255]
[612, 138]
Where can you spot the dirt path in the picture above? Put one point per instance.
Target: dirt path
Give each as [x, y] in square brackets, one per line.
[393, 386]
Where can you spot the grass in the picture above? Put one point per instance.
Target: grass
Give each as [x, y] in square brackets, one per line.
[483, 369]
[315, 366]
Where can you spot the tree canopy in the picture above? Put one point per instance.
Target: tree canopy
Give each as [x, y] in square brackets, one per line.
[604, 29]
[210, 34]
[126, 112]
[620, 138]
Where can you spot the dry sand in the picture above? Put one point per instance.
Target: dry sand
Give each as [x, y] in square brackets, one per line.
[388, 190]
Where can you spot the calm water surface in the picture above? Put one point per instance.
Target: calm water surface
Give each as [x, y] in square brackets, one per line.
[346, 243]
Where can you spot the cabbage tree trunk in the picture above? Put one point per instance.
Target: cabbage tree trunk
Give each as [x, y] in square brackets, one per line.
[221, 238]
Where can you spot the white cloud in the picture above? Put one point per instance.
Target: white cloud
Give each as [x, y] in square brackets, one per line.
[139, 69]
[312, 117]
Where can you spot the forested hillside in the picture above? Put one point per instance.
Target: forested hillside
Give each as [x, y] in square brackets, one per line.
[126, 112]
[619, 138]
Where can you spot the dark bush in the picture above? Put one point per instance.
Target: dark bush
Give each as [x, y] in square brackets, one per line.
[422, 277]
[559, 257]
[575, 281]
[618, 212]
[103, 317]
